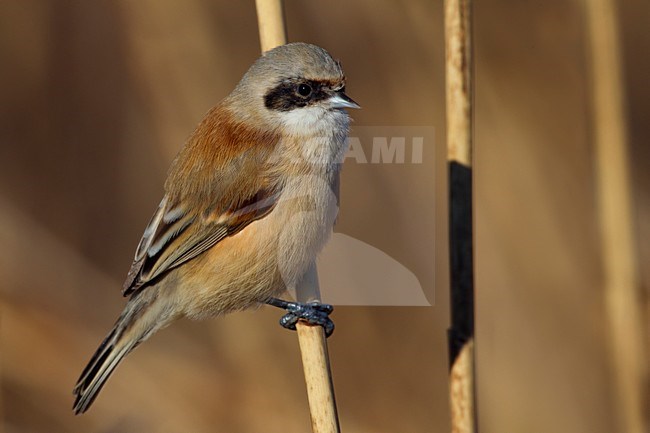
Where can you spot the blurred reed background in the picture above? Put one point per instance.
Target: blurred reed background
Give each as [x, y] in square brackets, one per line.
[97, 97]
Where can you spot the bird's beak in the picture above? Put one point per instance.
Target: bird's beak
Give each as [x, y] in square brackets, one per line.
[341, 100]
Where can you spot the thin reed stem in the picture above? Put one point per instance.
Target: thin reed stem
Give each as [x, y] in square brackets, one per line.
[622, 298]
[459, 92]
[313, 345]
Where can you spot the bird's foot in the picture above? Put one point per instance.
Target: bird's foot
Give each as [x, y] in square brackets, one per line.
[313, 313]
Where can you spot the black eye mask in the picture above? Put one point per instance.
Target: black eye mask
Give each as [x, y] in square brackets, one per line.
[295, 93]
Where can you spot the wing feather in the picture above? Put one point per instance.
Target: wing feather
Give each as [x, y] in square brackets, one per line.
[188, 235]
[218, 184]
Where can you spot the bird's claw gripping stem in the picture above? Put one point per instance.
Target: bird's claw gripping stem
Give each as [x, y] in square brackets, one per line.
[313, 313]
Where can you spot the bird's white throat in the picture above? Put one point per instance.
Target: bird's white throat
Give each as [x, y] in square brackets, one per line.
[322, 133]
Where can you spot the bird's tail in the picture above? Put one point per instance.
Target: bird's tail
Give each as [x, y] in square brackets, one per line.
[142, 316]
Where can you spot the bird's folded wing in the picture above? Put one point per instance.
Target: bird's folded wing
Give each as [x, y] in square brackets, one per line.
[175, 234]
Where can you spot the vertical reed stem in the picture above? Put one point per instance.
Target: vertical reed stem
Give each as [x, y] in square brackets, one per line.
[313, 345]
[316, 363]
[614, 196]
[459, 91]
[270, 21]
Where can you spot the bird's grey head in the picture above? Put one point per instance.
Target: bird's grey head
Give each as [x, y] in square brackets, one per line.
[297, 84]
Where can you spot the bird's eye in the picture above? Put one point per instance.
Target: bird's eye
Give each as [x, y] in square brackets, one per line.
[304, 90]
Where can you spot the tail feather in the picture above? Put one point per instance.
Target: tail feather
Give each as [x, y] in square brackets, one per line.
[95, 362]
[141, 318]
[103, 363]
